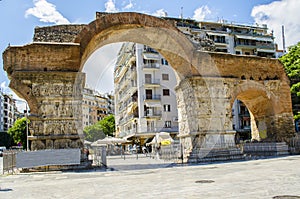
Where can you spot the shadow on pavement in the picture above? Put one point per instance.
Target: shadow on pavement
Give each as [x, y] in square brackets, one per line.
[5, 189]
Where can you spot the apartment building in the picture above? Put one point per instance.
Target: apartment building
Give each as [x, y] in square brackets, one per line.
[8, 112]
[240, 39]
[145, 101]
[95, 106]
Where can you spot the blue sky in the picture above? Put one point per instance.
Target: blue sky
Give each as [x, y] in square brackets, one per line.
[19, 17]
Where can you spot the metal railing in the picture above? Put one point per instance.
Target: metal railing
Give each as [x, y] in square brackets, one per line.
[9, 162]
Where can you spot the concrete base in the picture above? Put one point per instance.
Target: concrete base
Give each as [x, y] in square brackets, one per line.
[265, 149]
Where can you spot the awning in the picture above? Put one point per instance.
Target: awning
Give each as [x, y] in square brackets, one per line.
[109, 140]
[254, 38]
[131, 108]
[153, 104]
[265, 50]
[152, 56]
[129, 136]
[217, 34]
[162, 138]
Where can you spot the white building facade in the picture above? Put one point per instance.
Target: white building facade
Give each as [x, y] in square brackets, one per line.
[145, 101]
[8, 112]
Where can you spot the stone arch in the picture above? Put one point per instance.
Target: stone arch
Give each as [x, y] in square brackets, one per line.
[47, 73]
[265, 105]
[139, 28]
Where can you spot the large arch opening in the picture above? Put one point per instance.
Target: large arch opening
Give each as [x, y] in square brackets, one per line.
[143, 85]
[172, 45]
[254, 110]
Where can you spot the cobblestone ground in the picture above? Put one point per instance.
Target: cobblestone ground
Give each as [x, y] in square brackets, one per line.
[152, 178]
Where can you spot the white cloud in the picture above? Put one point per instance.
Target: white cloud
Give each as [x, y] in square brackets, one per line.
[201, 13]
[278, 13]
[160, 13]
[3, 86]
[110, 6]
[46, 12]
[128, 6]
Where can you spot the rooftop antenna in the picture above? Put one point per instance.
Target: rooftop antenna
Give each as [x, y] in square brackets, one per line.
[283, 40]
[181, 13]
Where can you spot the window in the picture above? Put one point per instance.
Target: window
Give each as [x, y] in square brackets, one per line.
[164, 62]
[167, 107]
[150, 126]
[148, 93]
[148, 78]
[167, 124]
[166, 92]
[165, 76]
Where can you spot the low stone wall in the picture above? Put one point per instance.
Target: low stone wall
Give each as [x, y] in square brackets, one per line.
[265, 149]
[215, 154]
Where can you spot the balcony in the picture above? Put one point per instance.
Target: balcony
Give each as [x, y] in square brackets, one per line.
[152, 113]
[127, 119]
[152, 83]
[151, 66]
[152, 97]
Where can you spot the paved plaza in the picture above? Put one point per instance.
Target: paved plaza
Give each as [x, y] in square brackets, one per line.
[151, 178]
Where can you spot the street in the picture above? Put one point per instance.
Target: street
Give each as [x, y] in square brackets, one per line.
[151, 178]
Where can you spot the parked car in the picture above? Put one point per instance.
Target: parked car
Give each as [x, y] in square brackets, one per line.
[2, 149]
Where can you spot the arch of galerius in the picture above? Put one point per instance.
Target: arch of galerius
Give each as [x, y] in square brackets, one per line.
[47, 74]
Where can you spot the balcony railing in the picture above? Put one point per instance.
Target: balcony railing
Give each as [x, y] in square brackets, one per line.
[256, 45]
[151, 66]
[153, 114]
[152, 81]
[152, 97]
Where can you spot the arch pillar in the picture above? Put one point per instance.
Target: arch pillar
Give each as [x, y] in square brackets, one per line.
[204, 114]
[54, 99]
[273, 128]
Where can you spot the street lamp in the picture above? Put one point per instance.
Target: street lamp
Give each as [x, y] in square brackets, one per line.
[26, 116]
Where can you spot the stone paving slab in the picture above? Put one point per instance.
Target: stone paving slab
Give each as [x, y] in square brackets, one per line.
[265, 178]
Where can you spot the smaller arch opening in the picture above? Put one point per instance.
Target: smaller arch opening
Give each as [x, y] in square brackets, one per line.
[241, 122]
[243, 77]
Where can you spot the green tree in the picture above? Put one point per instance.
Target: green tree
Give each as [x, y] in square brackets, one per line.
[291, 62]
[107, 125]
[18, 132]
[104, 127]
[93, 132]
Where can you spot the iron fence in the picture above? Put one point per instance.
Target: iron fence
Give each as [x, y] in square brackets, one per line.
[9, 161]
[172, 152]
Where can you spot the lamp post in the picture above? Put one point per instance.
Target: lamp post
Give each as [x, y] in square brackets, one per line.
[26, 116]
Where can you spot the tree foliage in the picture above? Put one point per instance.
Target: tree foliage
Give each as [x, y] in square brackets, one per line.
[93, 133]
[291, 62]
[18, 132]
[107, 125]
[104, 127]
